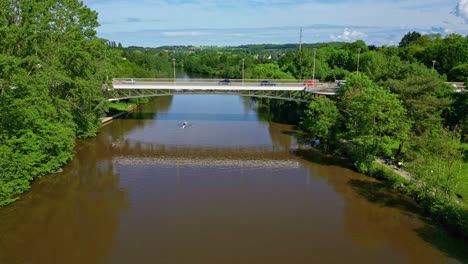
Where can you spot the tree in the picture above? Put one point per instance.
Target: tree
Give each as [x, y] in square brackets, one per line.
[320, 119]
[409, 38]
[270, 71]
[458, 73]
[455, 115]
[355, 46]
[423, 94]
[341, 59]
[372, 119]
[379, 67]
[52, 66]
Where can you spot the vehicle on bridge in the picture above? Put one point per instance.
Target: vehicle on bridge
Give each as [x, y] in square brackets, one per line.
[224, 82]
[129, 81]
[311, 82]
[267, 83]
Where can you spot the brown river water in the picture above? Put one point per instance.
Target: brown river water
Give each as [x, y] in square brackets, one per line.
[227, 188]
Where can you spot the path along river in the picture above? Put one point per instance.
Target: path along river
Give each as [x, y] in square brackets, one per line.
[227, 188]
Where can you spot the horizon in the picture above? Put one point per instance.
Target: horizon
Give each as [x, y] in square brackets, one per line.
[156, 23]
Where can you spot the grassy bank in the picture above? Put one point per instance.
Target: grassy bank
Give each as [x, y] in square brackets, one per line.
[451, 214]
[117, 107]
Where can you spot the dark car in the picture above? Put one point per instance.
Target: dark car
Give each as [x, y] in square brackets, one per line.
[225, 82]
[129, 81]
[267, 83]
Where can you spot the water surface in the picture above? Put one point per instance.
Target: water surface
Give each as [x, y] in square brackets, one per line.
[228, 188]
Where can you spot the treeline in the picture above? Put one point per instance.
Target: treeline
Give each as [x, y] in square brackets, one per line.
[447, 56]
[52, 68]
[144, 63]
[290, 46]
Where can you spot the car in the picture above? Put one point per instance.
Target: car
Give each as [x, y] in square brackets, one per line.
[340, 83]
[224, 82]
[311, 82]
[129, 81]
[267, 83]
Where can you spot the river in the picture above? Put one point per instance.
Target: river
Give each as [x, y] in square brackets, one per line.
[227, 188]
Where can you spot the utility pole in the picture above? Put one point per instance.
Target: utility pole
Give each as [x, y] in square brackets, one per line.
[300, 53]
[243, 72]
[313, 71]
[357, 68]
[300, 39]
[173, 63]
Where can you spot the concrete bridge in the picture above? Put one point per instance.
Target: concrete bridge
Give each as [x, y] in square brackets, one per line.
[291, 90]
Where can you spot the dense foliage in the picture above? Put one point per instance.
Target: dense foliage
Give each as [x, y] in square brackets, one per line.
[52, 67]
[144, 63]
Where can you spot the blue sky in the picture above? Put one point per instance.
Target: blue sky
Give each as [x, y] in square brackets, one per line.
[153, 23]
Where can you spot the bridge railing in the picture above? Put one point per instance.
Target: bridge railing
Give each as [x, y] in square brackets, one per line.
[210, 80]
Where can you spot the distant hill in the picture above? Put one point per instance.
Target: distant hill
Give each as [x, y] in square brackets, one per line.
[252, 47]
[291, 46]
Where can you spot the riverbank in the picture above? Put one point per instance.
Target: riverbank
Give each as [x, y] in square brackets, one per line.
[107, 119]
[452, 215]
[118, 109]
[110, 118]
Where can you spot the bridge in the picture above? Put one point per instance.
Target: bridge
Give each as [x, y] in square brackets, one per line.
[291, 90]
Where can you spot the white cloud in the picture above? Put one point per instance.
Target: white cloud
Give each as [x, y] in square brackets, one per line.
[233, 22]
[349, 35]
[462, 10]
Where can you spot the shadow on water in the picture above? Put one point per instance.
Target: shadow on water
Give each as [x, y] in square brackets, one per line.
[381, 194]
[439, 238]
[316, 156]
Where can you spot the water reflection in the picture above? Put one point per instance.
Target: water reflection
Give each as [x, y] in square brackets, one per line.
[70, 217]
[229, 189]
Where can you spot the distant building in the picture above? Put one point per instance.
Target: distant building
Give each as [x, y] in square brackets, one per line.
[263, 57]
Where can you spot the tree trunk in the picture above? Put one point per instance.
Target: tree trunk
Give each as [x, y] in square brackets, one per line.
[399, 151]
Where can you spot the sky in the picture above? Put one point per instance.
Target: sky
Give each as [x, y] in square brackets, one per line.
[155, 23]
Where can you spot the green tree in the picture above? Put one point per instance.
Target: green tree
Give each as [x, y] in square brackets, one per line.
[423, 94]
[373, 118]
[321, 118]
[270, 71]
[409, 38]
[52, 67]
[455, 115]
[458, 73]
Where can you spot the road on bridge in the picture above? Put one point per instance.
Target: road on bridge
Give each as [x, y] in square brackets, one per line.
[215, 84]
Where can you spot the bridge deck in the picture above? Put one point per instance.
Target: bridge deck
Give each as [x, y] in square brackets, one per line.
[211, 84]
[207, 86]
[279, 89]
